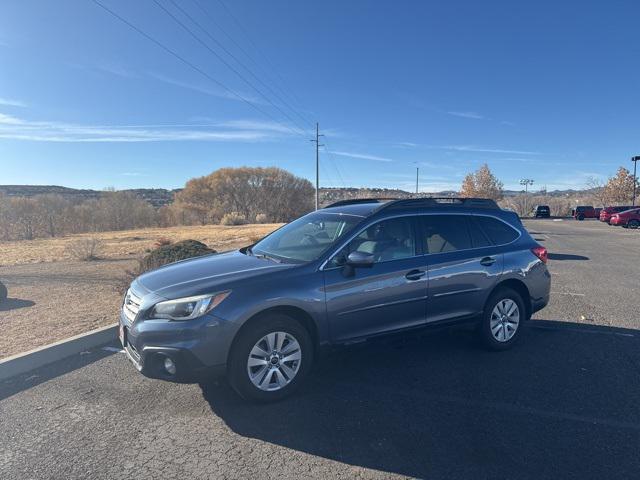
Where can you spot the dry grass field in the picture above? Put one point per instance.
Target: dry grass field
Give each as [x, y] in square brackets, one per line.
[53, 297]
[129, 243]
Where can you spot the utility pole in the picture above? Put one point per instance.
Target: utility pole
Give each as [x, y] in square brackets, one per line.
[417, 175]
[635, 179]
[317, 142]
[526, 182]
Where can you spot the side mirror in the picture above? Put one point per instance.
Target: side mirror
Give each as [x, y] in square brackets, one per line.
[360, 260]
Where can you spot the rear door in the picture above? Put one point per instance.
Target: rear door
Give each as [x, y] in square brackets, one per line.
[388, 296]
[463, 265]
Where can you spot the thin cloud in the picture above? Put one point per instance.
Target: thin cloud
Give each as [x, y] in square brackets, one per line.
[406, 144]
[362, 156]
[13, 128]
[213, 92]
[472, 115]
[10, 102]
[117, 70]
[473, 148]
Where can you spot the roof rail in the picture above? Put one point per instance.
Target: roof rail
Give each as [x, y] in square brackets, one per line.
[420, 202]
[356, 201]
[443, 201]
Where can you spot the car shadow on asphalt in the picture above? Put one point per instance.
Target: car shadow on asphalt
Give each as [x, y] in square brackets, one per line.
[14, 304]
[565, 256]
[561, 404]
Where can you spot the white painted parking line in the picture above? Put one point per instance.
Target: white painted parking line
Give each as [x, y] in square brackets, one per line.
[572, 294]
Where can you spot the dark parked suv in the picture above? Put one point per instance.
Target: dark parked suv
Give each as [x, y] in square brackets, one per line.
[542, 211]
[343, 274]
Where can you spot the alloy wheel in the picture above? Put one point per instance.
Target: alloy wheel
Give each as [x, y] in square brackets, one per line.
[274, 361]
[505, 319]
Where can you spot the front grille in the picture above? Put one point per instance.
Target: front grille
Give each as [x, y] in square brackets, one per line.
[131, 306]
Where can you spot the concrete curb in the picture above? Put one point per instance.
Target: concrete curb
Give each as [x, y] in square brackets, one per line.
[25, 362]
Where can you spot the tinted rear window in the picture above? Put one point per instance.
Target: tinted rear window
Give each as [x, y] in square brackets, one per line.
[498, 232]
[445, 233]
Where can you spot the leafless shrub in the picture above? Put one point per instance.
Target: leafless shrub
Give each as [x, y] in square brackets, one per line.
[233, 218]
[85, 249]
[262, 218]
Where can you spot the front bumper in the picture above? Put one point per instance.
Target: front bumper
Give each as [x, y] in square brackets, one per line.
[198, 348]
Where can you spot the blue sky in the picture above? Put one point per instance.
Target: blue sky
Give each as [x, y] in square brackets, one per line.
[544, 90]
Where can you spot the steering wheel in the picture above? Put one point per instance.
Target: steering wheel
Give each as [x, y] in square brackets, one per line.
[309, 240]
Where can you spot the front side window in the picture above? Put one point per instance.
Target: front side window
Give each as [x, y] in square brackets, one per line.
[306, 238]
[445, 233]
[391, 239]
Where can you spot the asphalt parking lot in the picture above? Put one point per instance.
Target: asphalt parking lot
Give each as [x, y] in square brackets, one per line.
[562, 404]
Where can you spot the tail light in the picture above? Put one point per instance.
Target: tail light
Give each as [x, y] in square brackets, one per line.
[541, 253]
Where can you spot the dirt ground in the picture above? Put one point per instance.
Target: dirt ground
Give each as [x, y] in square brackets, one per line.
[130, 242]
[52, 297]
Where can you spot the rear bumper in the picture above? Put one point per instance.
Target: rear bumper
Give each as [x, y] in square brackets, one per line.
[539, 303]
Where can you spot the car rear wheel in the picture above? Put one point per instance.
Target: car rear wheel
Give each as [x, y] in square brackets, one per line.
[634, 223]
[580, 217]
[502, 320]
[270, 358]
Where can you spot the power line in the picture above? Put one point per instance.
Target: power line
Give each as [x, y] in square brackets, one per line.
[267, 61]
[334, 163]
[273, 92]
[219, 57]
[191, 65]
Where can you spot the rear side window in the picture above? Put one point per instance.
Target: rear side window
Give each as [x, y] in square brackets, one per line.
[445, 233]
[498, 232]
[478, 238]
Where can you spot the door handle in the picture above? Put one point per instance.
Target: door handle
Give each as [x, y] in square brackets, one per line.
[415, 274]
[488, 261]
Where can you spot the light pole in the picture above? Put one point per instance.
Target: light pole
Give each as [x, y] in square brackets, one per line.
[635, 179]
[526, 182]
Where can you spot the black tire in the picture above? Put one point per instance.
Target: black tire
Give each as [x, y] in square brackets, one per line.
[484, 329]
[3, 292]
[580, 217]
[634, 224]
[237, 370]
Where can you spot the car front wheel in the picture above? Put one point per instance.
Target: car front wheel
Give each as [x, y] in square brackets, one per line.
[502, 320]
[270, 358]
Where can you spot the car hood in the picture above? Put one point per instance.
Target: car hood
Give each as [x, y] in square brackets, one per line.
[206, 274]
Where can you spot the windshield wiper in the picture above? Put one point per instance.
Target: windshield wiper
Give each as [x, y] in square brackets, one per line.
[267, 256]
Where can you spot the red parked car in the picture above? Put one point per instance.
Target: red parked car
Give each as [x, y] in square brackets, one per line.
[581, 212]
[628, 219]
[607, 212]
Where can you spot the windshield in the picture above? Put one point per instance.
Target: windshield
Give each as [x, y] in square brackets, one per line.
[306, 238]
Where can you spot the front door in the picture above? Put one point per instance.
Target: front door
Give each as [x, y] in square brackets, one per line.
[388, 296]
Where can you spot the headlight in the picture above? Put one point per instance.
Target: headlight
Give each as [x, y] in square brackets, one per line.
[187, 308]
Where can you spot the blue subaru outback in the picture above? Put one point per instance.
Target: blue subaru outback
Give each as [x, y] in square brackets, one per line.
[348, 272]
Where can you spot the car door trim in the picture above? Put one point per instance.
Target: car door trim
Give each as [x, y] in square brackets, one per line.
[380, 305]
[457, 292]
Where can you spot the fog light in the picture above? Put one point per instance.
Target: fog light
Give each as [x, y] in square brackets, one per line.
[169, 366]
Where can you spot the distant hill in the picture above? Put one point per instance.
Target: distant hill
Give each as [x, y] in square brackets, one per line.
[159, 197]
